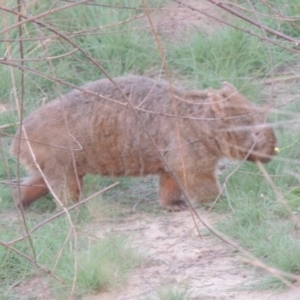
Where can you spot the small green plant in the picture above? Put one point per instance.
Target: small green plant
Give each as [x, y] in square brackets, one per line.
[170, 292]
[106, 264]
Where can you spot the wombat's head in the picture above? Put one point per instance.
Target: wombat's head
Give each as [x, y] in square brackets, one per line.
[242, 130]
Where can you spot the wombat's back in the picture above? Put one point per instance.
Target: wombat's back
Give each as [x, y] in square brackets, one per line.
[101, 128]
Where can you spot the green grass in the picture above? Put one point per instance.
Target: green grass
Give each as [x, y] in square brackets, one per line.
[115, 259]
[228, 55]
[170, 292]
[103, 263]
[280, 15]
[256, 219]
[119, 48]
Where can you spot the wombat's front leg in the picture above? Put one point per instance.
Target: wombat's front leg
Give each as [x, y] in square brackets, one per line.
[170, 193]
[32, 188]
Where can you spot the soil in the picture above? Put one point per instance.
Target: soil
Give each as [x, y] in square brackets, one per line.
[175, 21]
[177, 257]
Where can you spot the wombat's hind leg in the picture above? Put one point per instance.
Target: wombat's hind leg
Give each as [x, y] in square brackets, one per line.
[73, 189]
[32, 189]
[170, 193]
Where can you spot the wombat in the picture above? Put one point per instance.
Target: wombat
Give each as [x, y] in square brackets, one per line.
[183, 135]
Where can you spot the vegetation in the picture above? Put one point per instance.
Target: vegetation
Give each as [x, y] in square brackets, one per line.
[117, 39]
[170, 293]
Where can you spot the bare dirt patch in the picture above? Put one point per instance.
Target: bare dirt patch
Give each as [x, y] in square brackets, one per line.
[175, 21]
[35, 288]
[177, 257]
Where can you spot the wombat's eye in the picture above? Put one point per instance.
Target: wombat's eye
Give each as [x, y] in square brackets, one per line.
[255, 134]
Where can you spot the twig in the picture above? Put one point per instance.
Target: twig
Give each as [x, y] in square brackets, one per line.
[29, 19]
[9, 125]
[62, 213]
[282, 17]
[20, 108]
[278, 194]
[252, 259]
[238, 28]
[70, 137]
[181, 186]
[281, 78]
[251, 21]
[44, 269]
[54, 79]
[42, 58]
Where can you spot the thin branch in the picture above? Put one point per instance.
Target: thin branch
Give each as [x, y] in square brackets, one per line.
[54, 79]
[47, 58]
[278, 194]
[20, 105]
[251, 21]
[44, 269]
[43, 223]
[29, 19]
[238, 28]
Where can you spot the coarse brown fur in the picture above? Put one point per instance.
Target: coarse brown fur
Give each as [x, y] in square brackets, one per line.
[94, 130]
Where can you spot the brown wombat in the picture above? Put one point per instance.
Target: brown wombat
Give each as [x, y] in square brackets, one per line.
[94, 130]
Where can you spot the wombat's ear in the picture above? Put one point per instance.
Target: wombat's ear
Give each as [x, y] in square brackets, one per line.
[228, 88]
[217, 104]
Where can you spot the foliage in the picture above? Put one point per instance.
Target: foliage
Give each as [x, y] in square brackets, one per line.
[60, 49]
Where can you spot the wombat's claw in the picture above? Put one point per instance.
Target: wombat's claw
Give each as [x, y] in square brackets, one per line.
[179, 205]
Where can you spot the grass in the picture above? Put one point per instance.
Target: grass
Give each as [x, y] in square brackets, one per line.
[116, 44]
[103, 262]
[256, 220]
[228, 55]
[281, 15]
[115, 259]
[170, 292]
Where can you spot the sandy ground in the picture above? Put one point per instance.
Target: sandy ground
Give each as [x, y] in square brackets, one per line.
[176, 256]
[175, 21]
